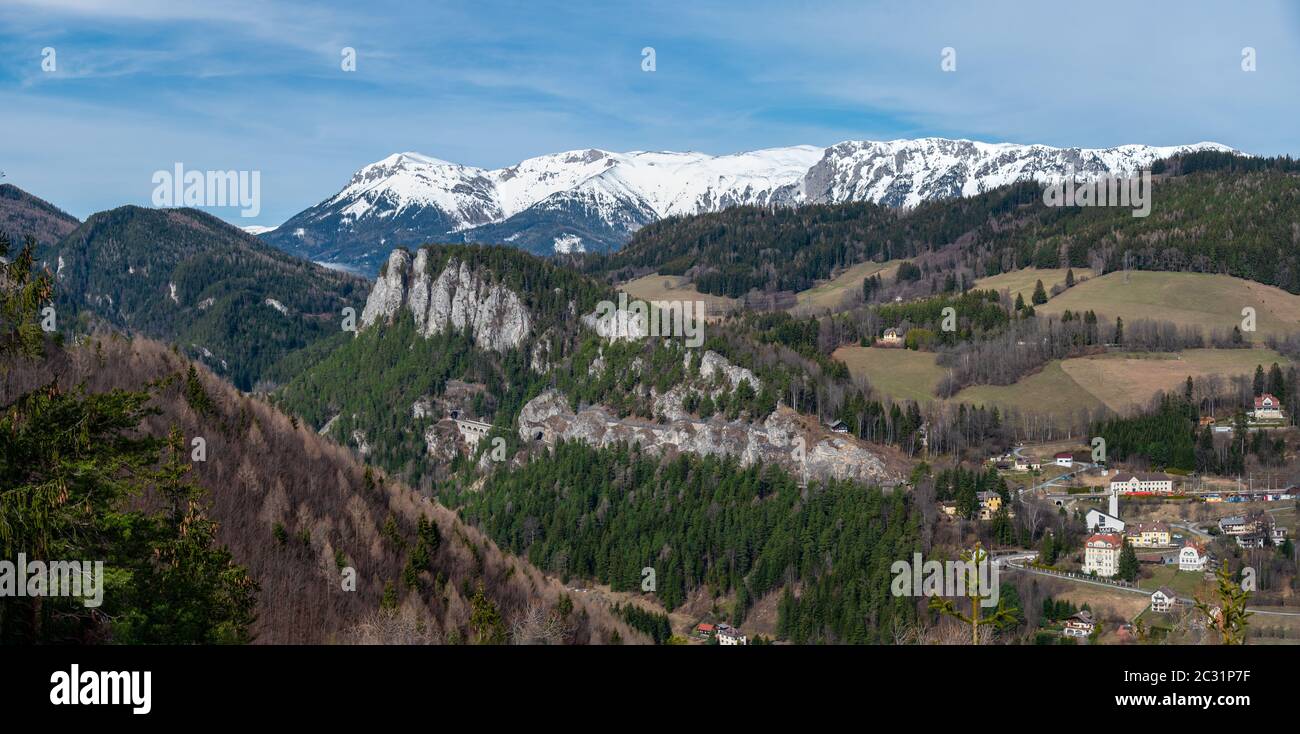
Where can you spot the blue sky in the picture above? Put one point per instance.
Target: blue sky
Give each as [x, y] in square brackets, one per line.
[257, 84]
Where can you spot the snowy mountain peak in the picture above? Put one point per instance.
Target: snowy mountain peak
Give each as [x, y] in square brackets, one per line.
[595, 199]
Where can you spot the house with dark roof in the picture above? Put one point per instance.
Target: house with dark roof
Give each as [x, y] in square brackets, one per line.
[1163, 599]
[1080, 625]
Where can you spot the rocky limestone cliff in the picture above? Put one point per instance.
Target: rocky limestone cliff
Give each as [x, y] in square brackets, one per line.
[548, 418]
[456, 298]
[670, 403]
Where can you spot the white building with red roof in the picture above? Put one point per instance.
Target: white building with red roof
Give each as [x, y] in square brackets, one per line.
[1101, 554]
[1191, 557]
[1268, 408]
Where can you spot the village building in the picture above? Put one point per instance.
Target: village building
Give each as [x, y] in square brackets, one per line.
[1142, 482]
[1080, 625]
[1256, 530]
[1064, 458]
[892, 338]
[990, 503]
[1191, 557]
[1267, 534]
[1103, 522]
[1234, 525]
[1267, 408]
[728, 635]
[1163, 599]
[1148, 535]
[1101, 554]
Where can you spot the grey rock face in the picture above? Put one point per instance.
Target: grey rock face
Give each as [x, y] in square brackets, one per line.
[456, 298]
[781, 439]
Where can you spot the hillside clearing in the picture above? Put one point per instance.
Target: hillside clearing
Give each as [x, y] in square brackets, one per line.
[1127, 381]
[1187, 299]
[830, 295]
[1049, 391]
[1119, 381]
[902, 374]
[1022, 281]
[676, 288]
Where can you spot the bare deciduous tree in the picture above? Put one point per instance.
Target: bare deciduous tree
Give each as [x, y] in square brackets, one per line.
[537, 626]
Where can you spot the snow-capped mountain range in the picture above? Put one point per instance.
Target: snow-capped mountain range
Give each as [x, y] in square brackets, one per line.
[594, 199]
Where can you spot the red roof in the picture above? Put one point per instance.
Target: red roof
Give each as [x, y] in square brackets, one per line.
[1272, 401]
[1065, 455]
[705, 627]
[1108, 538]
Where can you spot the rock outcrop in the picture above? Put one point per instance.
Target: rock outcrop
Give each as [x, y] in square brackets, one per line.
[670, 403]
[781, 439]
[457, 298]
[713, 363]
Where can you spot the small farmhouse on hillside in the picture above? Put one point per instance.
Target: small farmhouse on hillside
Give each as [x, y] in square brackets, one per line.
[1162, 599]
[1267, 408]
[1080, 625]
[728, 635]
[892, 338]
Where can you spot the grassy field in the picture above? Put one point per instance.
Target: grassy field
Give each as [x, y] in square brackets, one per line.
[1104, 602]
[1050, 391]
[830, 295]
[1125, 381]
[900, 373]
[1208, 301]
[675, 288]
[904, 374]
[1022, 281]
[1186, 584]
[1062, 388]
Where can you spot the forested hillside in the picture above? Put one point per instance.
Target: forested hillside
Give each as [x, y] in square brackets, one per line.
[1211, 212]
[220, 519]
[22, 214]
[709, 523]
[732, 251]
[186, 277]
[298, 514]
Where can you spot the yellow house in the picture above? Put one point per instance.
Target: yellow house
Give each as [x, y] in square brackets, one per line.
[990, 503]
[1148, 534]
